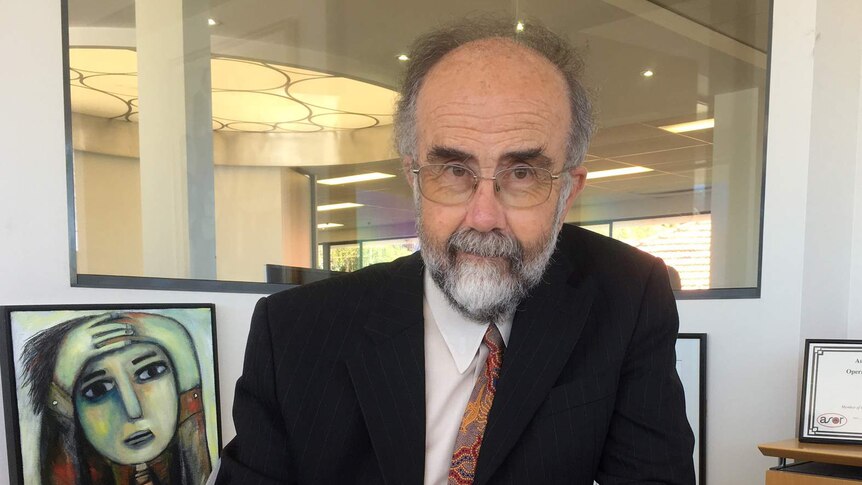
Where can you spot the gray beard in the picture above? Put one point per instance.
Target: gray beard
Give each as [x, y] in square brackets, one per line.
[487, 289]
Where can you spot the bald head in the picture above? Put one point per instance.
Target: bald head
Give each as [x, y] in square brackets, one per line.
[487, 46]
[492, 97]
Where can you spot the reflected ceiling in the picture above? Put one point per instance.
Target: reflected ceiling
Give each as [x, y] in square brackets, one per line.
[364, 39]
[248, 96]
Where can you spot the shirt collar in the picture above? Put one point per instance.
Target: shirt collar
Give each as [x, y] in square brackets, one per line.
[462, 335]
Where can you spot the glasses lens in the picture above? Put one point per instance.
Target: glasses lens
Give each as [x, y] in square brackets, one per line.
[524, 186]
[446, 184]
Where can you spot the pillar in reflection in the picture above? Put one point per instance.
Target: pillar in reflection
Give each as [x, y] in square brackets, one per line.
[175, 133]
[736, 187]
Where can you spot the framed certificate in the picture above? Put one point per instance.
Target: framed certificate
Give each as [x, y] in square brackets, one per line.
[831, 410]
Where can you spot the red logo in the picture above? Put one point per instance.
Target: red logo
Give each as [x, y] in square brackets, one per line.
[831, 420]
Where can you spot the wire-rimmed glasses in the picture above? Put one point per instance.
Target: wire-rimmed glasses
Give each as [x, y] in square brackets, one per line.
[522, 186]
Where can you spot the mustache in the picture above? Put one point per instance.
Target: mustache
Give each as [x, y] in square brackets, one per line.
[494, 244]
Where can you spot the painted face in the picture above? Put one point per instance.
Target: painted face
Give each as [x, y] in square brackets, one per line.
[491, 105]
[127, 403]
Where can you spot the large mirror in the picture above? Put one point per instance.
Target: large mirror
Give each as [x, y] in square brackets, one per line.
[251, 140]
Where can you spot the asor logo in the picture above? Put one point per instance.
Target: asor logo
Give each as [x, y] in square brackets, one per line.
[831, 420]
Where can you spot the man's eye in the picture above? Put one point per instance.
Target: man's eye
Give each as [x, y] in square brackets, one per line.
[151, 371]
[457, 170]
[522, 173]
[94, 391]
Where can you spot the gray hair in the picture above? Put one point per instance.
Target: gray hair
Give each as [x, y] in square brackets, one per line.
[428, 49]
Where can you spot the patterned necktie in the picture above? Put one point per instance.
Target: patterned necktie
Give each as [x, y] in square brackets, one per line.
[469, 440]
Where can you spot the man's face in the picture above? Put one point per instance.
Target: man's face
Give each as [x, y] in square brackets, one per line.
[491, 105]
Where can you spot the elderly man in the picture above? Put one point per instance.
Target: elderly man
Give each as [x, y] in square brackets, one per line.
[513, 349]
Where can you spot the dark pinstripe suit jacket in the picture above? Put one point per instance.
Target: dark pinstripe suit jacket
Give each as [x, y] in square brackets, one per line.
[333, 387]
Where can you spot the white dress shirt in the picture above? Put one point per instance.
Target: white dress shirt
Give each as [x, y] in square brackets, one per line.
[454, 357]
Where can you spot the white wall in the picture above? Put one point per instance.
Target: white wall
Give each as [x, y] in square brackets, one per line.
[754, 345]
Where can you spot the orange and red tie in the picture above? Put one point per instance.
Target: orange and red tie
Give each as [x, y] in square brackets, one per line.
[462, 470]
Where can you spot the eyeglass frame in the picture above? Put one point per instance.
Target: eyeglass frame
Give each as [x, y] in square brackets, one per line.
[477, 178]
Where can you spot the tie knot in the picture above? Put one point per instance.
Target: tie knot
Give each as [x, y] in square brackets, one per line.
[493, 340]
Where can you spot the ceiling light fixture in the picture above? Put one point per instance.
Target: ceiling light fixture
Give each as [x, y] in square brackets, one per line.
[648, 73]
[352, 179]
[329, 225]
[690, 126]
[519, 27]
[403, 57]
[332, 207]
[212, 22]
[616, 172]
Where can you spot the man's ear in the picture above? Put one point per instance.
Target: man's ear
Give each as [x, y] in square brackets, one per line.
[579, 182]
[407, 167]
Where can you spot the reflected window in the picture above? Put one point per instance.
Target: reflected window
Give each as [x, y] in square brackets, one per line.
[217, 142]
[683, 242]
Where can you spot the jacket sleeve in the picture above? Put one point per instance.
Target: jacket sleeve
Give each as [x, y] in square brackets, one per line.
[259, 454]
[650, 440]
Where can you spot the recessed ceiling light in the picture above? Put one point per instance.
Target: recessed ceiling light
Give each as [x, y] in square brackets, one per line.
[213, 22]
[329, 225]
[363, 177]
[343, 205]
[616, 172]
[690, 126]
[403, 57]
[519, 27]
[648, 73]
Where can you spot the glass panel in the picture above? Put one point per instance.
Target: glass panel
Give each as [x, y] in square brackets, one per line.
[212, 139]
[681, 241]
[386, 250]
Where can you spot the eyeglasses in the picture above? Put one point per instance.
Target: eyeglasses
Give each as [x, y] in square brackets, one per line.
[453, 184]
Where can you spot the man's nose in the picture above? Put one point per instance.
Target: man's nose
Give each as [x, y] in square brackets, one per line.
[484, 210]
[131, 404]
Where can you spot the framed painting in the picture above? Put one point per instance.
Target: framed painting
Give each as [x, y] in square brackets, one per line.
[110, 394]
[691, 367]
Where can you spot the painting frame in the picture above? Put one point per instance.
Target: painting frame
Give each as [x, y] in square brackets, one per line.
[200, 407]
[692, 348]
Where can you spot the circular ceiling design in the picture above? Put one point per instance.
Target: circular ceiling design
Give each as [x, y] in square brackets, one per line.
[122, 61]
[299, 127]
[344, 120]
[122, 84]
[250, 127]
[97, 103]
[342, 94]
[230, 74]
[247, 95]
[252, 107]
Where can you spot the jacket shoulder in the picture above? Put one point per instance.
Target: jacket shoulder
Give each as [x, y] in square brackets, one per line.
[343, 286]
[613, 263]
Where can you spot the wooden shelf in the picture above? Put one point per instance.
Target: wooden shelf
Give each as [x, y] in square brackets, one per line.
[838, 454]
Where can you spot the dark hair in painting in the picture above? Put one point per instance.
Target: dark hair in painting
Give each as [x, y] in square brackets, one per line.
[39, 361]
[66, 455]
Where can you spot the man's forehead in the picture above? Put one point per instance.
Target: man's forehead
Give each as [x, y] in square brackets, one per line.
[497, 74]
[494, 92]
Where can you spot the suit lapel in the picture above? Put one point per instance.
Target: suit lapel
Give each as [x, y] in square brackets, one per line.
[388, 375]
[544, 332]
